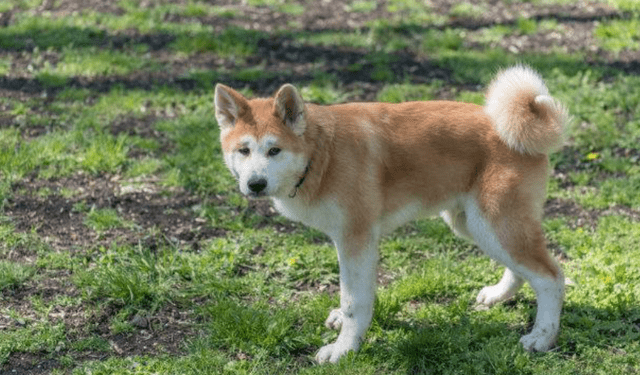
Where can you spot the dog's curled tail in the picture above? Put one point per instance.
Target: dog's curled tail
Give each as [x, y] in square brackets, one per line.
[525, 116]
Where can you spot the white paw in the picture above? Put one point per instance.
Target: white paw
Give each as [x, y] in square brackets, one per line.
[490, 295]
[333, 352]
[538, 340]
[334, 321]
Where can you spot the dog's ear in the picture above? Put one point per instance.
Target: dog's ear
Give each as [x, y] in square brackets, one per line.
[228, 104]
[290, 107]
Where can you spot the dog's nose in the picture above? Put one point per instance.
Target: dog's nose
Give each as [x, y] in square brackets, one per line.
[257, 185]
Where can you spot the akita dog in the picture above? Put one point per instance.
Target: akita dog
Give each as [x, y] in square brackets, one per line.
[356, 171]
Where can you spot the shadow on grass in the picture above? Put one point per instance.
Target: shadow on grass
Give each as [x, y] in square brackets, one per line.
[57, 37]
[281, 58]
[285, 59]
[489, 346]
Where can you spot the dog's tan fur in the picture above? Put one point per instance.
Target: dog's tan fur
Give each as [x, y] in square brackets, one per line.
[377, 165]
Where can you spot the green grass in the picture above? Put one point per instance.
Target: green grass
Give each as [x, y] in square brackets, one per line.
[230, 42]
[363, 6]
[324, 91]
[13, 274]
[48, 33]
[105, 154]
[619, 35]
[106, 218]
[94, 62]
[397, 93]
[466, 10]
[131, 276]
[238, 292]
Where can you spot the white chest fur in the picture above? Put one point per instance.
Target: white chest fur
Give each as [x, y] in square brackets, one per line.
[325, 216]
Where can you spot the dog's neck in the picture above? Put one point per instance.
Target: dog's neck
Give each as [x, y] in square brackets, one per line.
[317, 164]
[301, 181]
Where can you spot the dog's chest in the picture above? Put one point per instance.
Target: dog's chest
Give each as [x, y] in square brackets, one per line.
[325, 216]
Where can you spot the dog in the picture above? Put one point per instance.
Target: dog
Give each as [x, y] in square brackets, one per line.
[357, 171]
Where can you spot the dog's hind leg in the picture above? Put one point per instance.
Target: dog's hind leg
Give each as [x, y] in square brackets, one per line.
[518, 243]
[457, 221]
[510, 283]
[503, 290]
[358, 258]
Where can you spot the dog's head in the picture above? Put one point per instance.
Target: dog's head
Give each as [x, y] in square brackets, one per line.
[263, 139]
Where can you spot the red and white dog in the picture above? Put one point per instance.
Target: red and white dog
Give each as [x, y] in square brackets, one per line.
[357, 171]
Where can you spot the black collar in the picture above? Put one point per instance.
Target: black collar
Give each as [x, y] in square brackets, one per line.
[304, 176]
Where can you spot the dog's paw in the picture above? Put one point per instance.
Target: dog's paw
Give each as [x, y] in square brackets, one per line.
[490, 295]
[333, 352]
[538, 341]
[334, 321]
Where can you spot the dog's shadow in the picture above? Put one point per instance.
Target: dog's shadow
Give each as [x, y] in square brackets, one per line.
[474, 344]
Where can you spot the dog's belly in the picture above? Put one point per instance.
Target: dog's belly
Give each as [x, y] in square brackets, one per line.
[328, 217]
[415, 210]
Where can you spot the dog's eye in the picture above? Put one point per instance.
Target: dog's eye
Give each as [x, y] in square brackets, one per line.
[273, 151]
[244, 151]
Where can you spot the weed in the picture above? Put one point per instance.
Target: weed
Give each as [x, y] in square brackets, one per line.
[105, 218]
[14, 274]
[526, 26]
[104, 154]
[132, 276]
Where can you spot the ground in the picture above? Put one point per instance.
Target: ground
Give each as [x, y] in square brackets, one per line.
[64, 214]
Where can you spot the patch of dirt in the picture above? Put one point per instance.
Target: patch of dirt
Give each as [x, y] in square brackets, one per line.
[6, 121]
[579, 217]
[19, 300]
[56, 284]
[28, 363]
[144, 128]
[164, 331]
[61, 8]
[59, 221]
[560, 39]
[287, 55]
[264, 208]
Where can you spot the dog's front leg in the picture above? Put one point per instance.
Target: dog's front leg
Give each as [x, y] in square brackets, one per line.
[358, 264]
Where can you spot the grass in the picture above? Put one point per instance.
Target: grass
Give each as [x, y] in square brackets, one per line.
[12, 274]
[398, 93]
[619, 35]
[466, 10]
[95, 62]
[231, 42]
[102, 219]
[107, 127]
